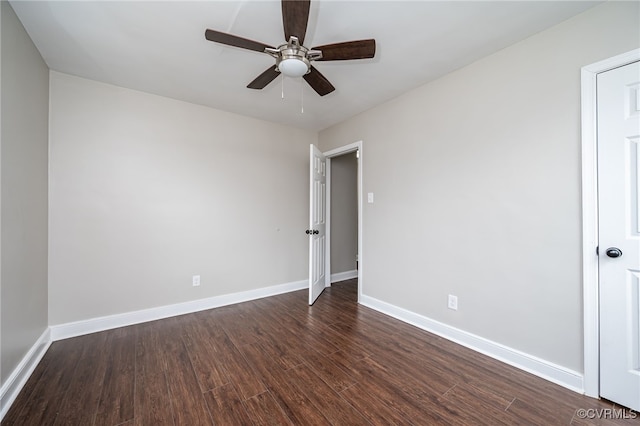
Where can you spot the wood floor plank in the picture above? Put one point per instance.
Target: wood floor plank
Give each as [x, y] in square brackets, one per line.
[240, 323]
[283, 354]
[376, 409]
[231, 360]
[204, 357]
[329, 372]
[117, 400]
[285, 320]
[344, 342]
[152, 399]
[465, 393]
[188, 404]
[226, 407]
[390, 391]
[410, 370]
[279, 339]
[544, 412]
[236, 366]
[81, 400]
[336, 409]
[293, 402]
[265, 411]
[476, 406]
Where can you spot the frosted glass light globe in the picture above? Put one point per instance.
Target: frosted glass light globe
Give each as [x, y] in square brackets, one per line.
[293, 67]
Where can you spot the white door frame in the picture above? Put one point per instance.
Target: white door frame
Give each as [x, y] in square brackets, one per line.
[346, 149]
[591, 379]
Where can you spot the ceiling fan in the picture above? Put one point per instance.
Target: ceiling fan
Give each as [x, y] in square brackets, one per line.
[293, 59]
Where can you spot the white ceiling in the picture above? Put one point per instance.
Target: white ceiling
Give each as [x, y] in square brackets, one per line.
[159, 47]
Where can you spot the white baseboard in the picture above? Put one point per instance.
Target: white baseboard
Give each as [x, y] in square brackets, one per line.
[93, 325]
[544, 369]
[341, 276]
[16, 381]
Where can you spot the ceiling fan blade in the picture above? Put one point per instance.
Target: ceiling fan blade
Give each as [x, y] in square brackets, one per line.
[232, 40]
[358, 49]
[295, 15]
[265, 78]
[319, 82]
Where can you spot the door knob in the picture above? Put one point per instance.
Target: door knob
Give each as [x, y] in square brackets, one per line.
[614, 252]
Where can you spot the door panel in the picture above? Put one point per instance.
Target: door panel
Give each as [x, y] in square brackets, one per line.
[618, 111]
[317, 223]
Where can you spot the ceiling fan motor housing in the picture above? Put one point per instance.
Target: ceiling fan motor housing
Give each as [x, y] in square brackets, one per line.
[293, 62]
[292, 59]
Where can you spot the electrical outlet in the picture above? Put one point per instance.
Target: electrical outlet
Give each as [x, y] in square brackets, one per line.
[453, 302]
[195, 280]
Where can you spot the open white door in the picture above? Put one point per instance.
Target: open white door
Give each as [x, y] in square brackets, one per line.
[317, 223]
[618, 94]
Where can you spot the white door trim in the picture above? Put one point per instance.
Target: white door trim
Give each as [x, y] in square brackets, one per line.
[356, 146]
[590, 216]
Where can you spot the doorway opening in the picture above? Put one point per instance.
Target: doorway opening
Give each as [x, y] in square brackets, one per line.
[344, 215]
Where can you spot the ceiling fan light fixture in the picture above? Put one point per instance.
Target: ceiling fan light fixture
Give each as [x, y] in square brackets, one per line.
[292, 58]
[293, 67]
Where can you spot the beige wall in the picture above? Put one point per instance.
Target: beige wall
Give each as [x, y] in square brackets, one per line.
[147, 191]
[477, 188]
[24, 84]
[344, 213]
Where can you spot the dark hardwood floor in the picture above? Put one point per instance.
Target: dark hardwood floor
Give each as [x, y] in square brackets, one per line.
[278, 361]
